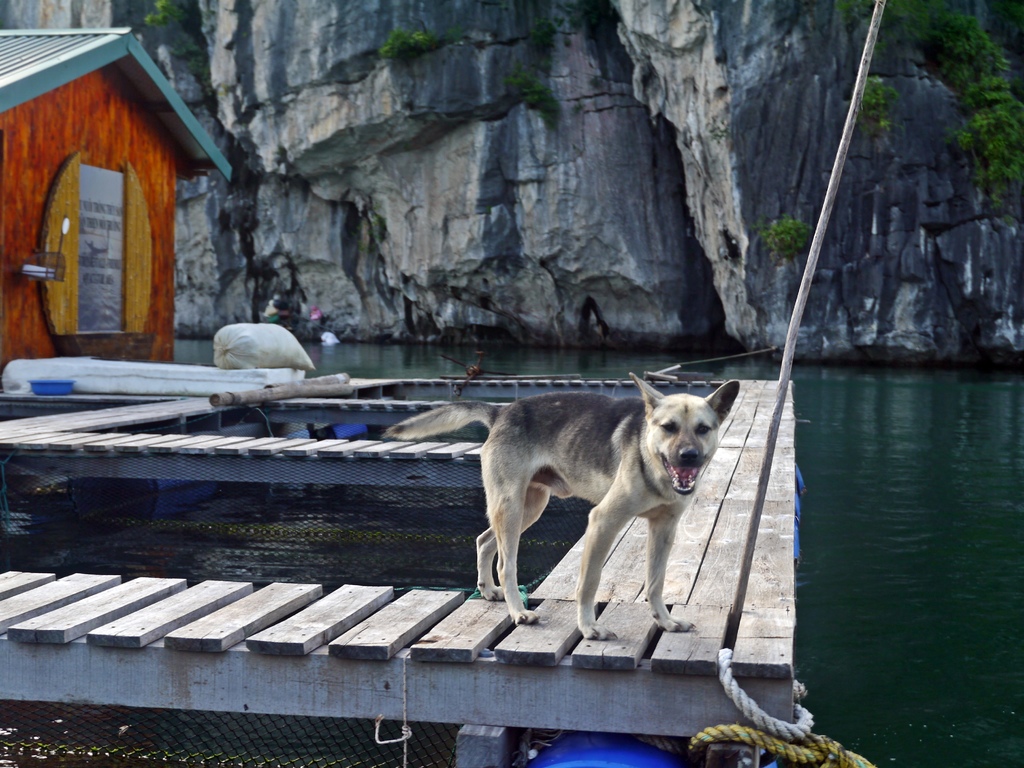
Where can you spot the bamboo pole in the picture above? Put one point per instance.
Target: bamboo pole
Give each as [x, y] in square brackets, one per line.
[736, 610]
[323, 386]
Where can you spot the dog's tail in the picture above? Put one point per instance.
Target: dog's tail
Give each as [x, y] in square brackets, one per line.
[447, 418]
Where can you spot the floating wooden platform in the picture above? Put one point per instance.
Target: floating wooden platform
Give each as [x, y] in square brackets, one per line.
[361, 652]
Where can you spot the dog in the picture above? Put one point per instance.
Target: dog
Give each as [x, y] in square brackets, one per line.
[630, 457]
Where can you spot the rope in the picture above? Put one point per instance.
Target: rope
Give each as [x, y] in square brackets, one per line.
[406, 730]
[762, 351]
[797, 731]
[793, 742]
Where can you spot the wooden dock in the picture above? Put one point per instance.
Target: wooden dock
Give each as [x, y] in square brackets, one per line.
[362, 651]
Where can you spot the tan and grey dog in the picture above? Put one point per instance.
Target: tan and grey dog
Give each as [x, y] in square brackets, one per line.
[630, 457]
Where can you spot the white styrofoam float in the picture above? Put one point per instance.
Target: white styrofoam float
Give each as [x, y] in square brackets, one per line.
[95, 376]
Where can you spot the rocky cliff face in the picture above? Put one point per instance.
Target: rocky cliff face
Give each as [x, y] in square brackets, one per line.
[423, 199]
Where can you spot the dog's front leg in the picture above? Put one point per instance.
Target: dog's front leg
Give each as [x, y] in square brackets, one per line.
[604, 524]
[661, 533]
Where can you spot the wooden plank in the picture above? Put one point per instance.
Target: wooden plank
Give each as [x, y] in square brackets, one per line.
[173, 446]
[231, 624]
[560, 584]
[17, 442]
[270, 449]
[415, 451]
[52, 596]
[242, 447]
[452, 450]
[625, 571]
[543, 644]
[141, 628]
[461, 636]
[67, 441]
[380, 450]
[694, 652]
[772, 582]
[634, 628]
[311, 449]
[15, 582]
[320, 685]
[345, 450]
[322, 622]
[72, 621]
[114, 440]
[209, 446]
[123, 416]
[764, 643]
[716, 581]
[390, 629]
[143, 443]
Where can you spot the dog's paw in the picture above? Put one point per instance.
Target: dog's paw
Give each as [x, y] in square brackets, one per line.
[526, 617]
[672, 625]
[597, 632]
[494, 594]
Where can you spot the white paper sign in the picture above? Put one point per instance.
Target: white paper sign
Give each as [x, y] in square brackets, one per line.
[100, 249]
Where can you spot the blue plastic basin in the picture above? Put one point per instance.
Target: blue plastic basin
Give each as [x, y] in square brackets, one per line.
[52, 386]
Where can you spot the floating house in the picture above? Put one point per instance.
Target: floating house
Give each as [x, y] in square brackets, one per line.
[92, 140]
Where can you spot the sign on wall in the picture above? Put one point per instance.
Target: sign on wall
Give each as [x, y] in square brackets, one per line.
[100, 249]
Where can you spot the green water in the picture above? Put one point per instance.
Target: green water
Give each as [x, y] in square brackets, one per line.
[910, 608]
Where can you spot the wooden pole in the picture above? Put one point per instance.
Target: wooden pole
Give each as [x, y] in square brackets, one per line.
[322, 386]
[736, 610]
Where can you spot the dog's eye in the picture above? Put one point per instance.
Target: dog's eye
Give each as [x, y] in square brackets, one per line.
[670, 427]
[703, 429]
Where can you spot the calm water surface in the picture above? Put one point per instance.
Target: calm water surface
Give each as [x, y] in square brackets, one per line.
[910, 614]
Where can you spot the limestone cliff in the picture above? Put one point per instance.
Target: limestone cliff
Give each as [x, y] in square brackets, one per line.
[580, 173]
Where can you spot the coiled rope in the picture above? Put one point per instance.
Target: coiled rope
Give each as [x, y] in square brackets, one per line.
[793, 742]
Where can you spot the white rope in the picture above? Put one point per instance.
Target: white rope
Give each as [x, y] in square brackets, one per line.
[792, 732]
[406, 730]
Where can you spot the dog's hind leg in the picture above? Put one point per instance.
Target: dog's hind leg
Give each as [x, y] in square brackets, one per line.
[507, 536]
[661, 533]
[486, 550]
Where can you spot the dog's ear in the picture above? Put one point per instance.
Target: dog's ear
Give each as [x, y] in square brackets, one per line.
[650, 394]
[721, 399]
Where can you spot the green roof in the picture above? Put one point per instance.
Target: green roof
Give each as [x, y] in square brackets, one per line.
[35, 61]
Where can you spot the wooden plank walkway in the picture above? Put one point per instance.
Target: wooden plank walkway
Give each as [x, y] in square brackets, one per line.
[360, 652]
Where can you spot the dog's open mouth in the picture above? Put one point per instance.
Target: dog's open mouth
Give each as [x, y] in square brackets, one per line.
[684, 479]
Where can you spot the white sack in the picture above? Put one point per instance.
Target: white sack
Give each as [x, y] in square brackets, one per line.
[258, 345]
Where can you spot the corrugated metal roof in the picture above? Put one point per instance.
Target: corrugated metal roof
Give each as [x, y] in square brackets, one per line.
[33, 62]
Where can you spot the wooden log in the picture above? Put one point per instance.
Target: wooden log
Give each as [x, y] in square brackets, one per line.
[322, 386]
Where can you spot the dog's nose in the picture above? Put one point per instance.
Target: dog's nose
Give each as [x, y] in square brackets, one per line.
[689, 456]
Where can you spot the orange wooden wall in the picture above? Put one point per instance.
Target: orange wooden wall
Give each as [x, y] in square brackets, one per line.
[100, 115]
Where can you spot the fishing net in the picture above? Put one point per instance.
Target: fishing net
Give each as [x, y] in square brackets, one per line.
[294, 527]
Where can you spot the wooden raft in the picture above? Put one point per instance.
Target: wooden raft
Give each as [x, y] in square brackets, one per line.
[359, 651]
